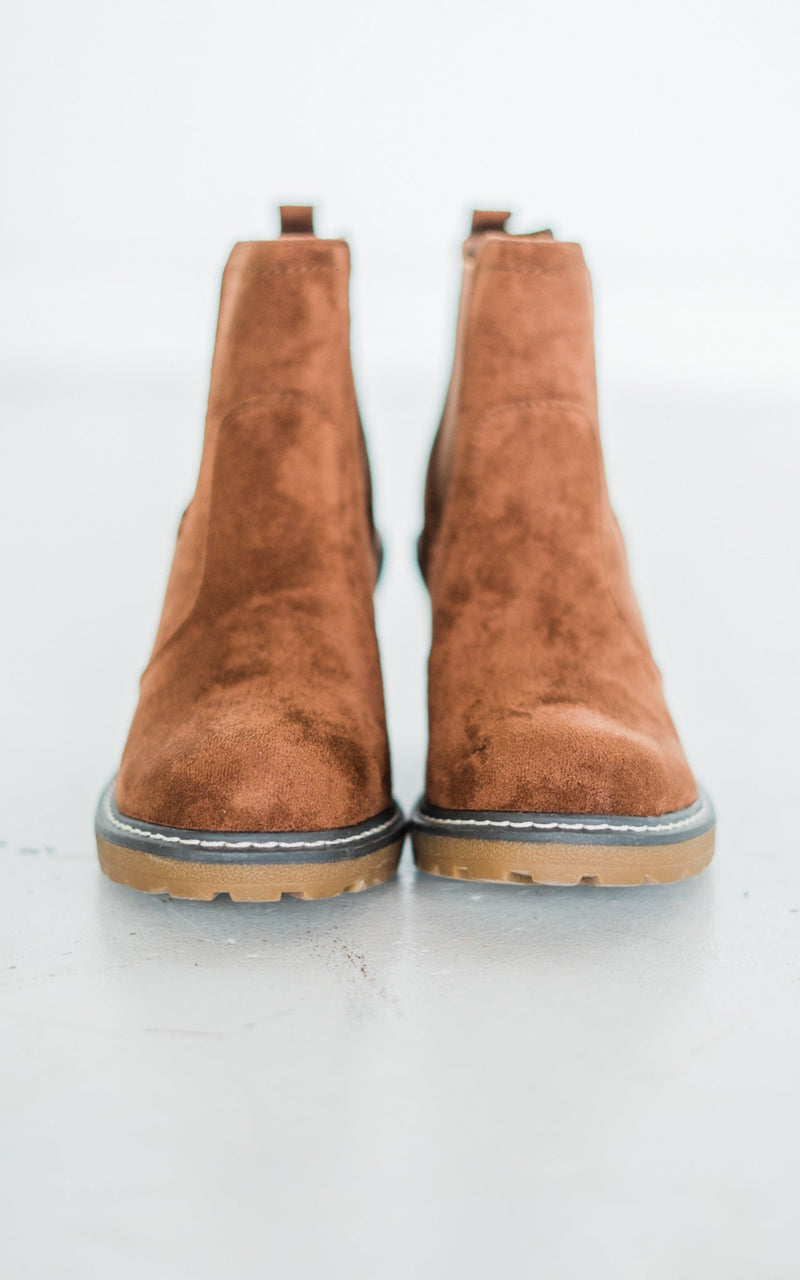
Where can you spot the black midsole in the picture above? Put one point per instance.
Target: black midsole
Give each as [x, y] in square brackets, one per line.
[565, 828]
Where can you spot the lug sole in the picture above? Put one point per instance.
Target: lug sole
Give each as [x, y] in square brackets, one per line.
[246, 882]
[250, 866]
[512, 862]
[563, 848]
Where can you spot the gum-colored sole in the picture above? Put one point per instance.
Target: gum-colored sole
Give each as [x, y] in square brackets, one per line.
[539, 862]
[246, 882]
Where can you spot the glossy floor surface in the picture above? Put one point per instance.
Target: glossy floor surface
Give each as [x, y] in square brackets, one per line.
[430, 1079]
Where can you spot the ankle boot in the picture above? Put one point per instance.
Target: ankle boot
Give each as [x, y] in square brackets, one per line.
[257, 762]
[552, 758]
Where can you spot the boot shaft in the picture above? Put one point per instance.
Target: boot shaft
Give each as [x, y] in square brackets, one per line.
[528, 325]
[283, 496]
[284, 324]
[525, 337]
[262, 707]
[543, 693]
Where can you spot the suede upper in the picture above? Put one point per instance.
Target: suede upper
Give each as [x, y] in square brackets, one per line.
[543, 694]
[262, 706]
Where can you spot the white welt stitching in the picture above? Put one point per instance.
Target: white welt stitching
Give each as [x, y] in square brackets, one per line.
[531, 825]
[239, 844]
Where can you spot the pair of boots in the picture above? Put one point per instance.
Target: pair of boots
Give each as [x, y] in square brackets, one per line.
[257, 763]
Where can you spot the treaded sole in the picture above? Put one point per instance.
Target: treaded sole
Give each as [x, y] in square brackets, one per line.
[563, 848]
[249, 866]
[516, 862]
[246, 882]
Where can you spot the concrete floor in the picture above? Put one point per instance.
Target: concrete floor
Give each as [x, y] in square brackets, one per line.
[432, 1079]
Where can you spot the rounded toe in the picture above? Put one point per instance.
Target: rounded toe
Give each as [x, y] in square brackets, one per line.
[253, 782]
[566, 760]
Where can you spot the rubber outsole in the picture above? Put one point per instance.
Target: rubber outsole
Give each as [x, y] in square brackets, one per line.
[248, 866]
[563, 849]
[203, 881]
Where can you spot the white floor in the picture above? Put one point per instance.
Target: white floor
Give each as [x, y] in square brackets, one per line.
[432, 1079]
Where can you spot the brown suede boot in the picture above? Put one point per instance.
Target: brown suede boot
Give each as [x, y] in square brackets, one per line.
[553, 758]
[257, 763]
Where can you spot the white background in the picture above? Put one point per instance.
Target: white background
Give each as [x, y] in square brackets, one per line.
[431, 1079]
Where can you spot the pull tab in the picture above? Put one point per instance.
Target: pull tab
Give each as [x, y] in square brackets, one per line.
[297, 219]
[489, 220]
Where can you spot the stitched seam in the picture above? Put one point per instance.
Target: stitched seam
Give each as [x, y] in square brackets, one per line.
[572, 406]
[442, 535]
[533, 271]
[282, 271]
[241, 844]
[551, 402]
[266, 399]
[469, 448]
[568, 826]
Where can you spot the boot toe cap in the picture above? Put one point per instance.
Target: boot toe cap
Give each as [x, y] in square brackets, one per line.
[254, 782]
[566, 760]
